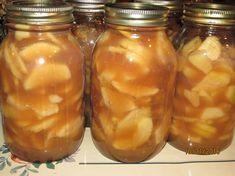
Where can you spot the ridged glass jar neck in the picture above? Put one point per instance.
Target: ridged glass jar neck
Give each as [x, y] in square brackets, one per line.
[82, 17]
[38, 28]
[136, 28]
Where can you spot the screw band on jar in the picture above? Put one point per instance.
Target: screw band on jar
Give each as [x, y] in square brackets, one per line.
[136, 14]
[209, 14]
[39, 12]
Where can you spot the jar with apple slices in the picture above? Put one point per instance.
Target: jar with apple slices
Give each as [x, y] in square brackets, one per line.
[42, 82]
[133, 73]
[204, 103]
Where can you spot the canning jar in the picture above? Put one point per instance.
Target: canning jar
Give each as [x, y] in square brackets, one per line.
[174, 18]
[133, 73]
[42, 81]
[89, 24]
[204, 103]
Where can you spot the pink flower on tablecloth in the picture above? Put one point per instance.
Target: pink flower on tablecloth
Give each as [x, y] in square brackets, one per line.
[18, 160]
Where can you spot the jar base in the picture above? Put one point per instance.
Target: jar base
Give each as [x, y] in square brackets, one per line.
[128, 156]
[60, 151]
[199, 149]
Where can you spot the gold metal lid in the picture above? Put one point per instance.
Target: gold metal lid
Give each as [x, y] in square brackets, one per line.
[174, 6]
[136, 14]
[209, 13]
[39, 12]
[89, 5]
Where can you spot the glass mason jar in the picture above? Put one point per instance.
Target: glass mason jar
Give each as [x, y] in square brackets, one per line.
[204, 103]
[89, 24]
[42, 82]
[132, 82]
[174, 18]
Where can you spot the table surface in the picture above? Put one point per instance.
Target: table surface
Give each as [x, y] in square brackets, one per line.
[88, 161]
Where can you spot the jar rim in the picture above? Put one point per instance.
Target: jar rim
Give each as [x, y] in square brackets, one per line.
[209, 13]
[38, 12]
[136, 14]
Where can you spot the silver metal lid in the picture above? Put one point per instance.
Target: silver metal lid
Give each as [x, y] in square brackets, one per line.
[136, 14]
[89, 5]
[39, 12]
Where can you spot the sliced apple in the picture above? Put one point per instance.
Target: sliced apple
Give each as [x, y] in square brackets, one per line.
[189, 72]
[206, 96]
[135, 90]
[204, 130]
[132, 57]
[212, 47]
[70, 128]
[192, 97]
[200, 61]
[37, 50]
[230, 94]
[16, 102]
[191, 46]
[42, 108]
[53, 98]
[18, 60]
[117, 102]
[45, 75]
[212, 113]
[212, 81]
[43, 125]
[20, 35]
[134, 130]
[11, 63]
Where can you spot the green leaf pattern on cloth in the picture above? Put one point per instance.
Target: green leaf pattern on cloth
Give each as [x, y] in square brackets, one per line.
[28, 169]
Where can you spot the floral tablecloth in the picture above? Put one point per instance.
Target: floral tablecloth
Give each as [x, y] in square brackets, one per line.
[88, 161]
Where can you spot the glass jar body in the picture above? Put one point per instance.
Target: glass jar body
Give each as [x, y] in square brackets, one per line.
[132, 88]
[42, 84]
[88, 27]
[203, 119]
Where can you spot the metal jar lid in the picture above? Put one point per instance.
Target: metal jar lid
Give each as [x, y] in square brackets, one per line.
[174, 6]
[89, 5]
[136, 14]
[209, 13]
[39, 12]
